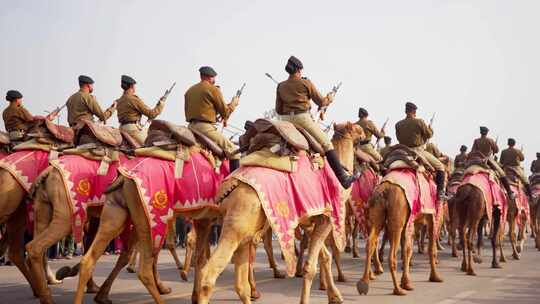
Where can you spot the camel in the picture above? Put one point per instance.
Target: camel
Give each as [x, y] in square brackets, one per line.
[244, 218]
[535, 218]
[518, 218]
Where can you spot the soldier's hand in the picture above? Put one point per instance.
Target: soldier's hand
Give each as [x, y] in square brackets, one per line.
[52, 115]
[163, 99]
[115, 103]
[330, 97]
[235, 101]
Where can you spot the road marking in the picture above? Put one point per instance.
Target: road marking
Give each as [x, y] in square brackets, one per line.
[460, 296]
[498, 280]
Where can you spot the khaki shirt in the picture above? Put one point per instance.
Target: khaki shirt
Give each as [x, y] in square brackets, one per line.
[485, 145]
[535, 166]
[511, 157]
[460, 160]
[294, 95]
[82, 105]
[130, 109]
[385, 150]
[413, 132]
[369, 129]
[16, 118]
[204, 101]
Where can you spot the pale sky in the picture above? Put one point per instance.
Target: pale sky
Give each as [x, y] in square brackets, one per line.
[472, 62]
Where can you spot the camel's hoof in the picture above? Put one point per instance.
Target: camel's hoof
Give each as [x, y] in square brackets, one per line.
[322, 287]
[520, 248]
[420, 251]
[435, 278]
[378, 271]
[502, 259]
[163, 290]
[348, 249]
[46, 299]
[407, 286]
[362, 287]
[399, 292]
[515, 256]
[278, 274]
[496, 265]
[335, 300]
[463, 268]
[255, 295]
[299, 275]
[355, 254]
[477, 259]
[184, 276]
[92, 289]
[341, 278]
[471, 272]
[53, 281]
[102, 300]
[63, 273]
[130, 269]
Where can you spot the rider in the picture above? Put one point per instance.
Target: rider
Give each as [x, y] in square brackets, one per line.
[511, 158]
[387, 146]
[16, 116]
[535, 165]
[370, 129]
[131, 108]
[488, 147]
[293, 104]
[203, 103]
[83, 105]
[461, 158]
[414, 133]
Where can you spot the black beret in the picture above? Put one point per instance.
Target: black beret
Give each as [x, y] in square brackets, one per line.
[538, 154]
[362, 112]
[207, 71]
[83, 79]
[248, 124]
[484, 129]
[11, 95]
[511, 142]
[387, 139]
[128, 80]
[293, 64]
[463, 148]
[409, 106]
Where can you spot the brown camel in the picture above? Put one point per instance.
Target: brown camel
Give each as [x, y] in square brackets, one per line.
[389, 209]
[536, 220]
[512, 218]
[470, 207]
[244, 218]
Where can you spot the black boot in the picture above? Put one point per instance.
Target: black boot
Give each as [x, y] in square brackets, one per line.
[344, 179]
[234, 164]
[506, 185]
[439, 180]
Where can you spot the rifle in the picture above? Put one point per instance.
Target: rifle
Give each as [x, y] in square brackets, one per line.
[271, 78]
[322, 111]
[382, 131]
[432, 118]
[165, 95]
[238, 94]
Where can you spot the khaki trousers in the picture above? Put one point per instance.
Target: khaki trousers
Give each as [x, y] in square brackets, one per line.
[432, 160]
[136, 131]
[305, 121]
[370, 149]
[496, 167]
[521, 174]
[212, 132]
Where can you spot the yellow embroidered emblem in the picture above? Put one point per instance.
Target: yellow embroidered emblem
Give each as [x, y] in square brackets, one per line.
[160, 199]
[282, 208]
[84, 187]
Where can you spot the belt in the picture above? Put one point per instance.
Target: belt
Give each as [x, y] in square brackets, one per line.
[195, 120]
[365, 142]
[295, 113]
[130, 122]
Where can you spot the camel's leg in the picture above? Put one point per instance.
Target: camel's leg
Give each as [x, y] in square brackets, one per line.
[394, 236]
[318, 237]
[433, 276]
[406, 255]
[377, 263]
[304, 242]
[383, 244]
[191, 239]
[521, 232]
[268, 248]
[337, 256]
[495, 236]
[334, 296]
[161, 287]
[102, 297]
[512, 233]
[480, 241]
[354, 236]
[113, 218]
[452, 240]
[132, 264]
[203, 227]
[89, 236]
[472, 229]
[377, 221]
[502, 258]
[463, 237]
[251, 277]
[241, 268]
[171, 244]
[58, 228]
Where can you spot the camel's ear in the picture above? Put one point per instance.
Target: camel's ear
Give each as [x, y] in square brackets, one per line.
[334, 126]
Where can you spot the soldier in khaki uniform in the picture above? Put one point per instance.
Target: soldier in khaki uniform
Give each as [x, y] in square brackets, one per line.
[435, 151]
[387, 145]
[512, 158]
[131, 108]
[203, 103]
[16, 116]
[414, 133]
[83, 105]
[461, 158]
[535, 165]
[370, 129]
[293, 104]
[488, 147]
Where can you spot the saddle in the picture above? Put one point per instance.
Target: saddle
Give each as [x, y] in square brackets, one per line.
[5, 143]
[457, 176]
[99, 134]
[45, 131]
[477, 158]
[286, 130]
[167, 135]
[401, 156]
[314, 145]
[512, 175]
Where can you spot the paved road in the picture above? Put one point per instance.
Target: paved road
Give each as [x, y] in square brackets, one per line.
[518, 282]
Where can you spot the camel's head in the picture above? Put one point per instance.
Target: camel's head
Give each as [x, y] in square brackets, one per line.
[349, 130]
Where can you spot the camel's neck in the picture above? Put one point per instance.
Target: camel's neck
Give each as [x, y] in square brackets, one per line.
[345, 151]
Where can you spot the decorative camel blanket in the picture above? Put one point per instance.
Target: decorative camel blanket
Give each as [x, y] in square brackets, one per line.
[291, 198]
[84, 187]
[420, 192]
[2, 155]
[361, 191]
[491, 190]
[522, 203]
[162, 195]
[25, 166]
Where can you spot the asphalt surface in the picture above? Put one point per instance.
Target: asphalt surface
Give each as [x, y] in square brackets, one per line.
[518, 282]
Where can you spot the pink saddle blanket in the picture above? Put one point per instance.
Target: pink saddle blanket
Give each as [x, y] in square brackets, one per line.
[361, 191]
[289, 199]
[25, 166]
[522, 204]
[491, 190]
[162, 195]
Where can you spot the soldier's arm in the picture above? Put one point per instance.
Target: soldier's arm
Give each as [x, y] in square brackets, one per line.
[279, 102]
[145, 110]
[221, 106]
[427, 131]
[373, 128]
[319, 100]
[494, 146]
[25, 114]
[533, 165]
[95, 108]
[521, 157]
